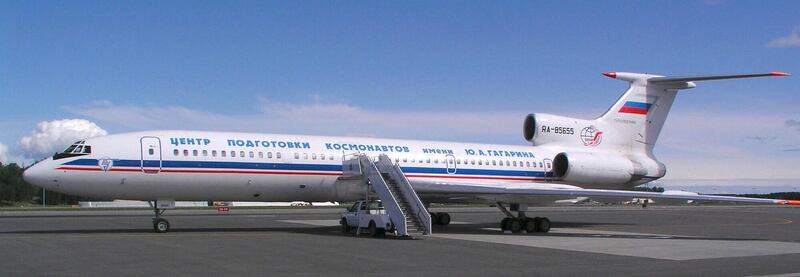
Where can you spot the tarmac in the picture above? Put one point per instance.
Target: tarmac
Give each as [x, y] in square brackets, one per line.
[584, 240]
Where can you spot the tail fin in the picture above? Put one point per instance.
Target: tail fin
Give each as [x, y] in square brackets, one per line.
[642, 110]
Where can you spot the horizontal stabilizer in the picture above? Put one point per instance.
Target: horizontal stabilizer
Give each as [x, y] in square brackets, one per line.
[665, 80]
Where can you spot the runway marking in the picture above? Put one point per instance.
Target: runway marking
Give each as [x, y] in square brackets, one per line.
[331, 222]
[796, 274]
[314, 222]
[656, 246]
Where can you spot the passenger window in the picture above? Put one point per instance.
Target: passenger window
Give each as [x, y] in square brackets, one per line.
[322, 156]
[313, 156]
[278, 155]
[223, 153]
[458, 161]
[428, 160]
[205, 153]
[296, 155]
[515, 163]
[405, 160]
[480, 162]
[241, 154]
[472, 162]
[508, 163]
[185, 152]
[540, 165]
[494, 162]
[233, 154]
[194, 153]
[305, 156]
[269, 155]
[436, 161]
[175, 152]
[251, 154]
[528, 164]
[260, 155]
[213, 153]
[396, 160]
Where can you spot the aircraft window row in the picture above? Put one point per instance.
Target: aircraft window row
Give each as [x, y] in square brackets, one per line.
[313, 156]
[330, 157]
[224, 154]
[472, 162]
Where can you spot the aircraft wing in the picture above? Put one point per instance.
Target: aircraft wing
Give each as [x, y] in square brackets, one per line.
[518, 190]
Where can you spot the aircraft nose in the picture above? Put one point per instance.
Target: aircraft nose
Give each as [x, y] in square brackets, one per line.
[37, 175]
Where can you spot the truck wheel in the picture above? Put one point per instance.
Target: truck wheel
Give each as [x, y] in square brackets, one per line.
[373, 230]
[345, 227]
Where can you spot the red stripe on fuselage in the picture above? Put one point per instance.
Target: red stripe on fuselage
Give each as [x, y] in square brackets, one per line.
[470, 177]
[292, 173]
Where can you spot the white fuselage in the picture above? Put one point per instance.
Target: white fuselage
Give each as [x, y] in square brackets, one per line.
[190, 165]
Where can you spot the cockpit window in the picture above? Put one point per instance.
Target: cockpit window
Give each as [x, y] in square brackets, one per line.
[77, 149]
[70, 148]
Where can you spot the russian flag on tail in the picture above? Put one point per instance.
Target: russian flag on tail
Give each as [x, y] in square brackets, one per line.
[634, 107]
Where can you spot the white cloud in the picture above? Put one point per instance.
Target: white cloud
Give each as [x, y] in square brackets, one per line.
[3, 153]
[54, 136]
[791, 40]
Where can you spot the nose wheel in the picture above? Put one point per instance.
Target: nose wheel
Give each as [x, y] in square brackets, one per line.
[160, 225]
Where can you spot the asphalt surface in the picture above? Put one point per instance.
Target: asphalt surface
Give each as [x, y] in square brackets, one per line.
[685, 240]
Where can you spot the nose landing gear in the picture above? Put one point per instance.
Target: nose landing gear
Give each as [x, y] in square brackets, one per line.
[161, 225]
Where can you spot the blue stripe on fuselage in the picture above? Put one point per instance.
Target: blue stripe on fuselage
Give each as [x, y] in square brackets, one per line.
[288, 166]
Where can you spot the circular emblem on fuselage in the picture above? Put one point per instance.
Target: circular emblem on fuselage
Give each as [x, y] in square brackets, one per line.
[105, 163]
[591, 136]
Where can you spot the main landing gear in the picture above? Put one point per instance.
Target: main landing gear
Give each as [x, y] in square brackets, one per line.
[160, 225]
[517, 224]
[440, 218]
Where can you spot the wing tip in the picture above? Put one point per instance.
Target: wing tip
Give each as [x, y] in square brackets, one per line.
[612, 75]
[778, 73]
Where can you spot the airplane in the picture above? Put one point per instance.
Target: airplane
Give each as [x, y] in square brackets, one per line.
[568, 158]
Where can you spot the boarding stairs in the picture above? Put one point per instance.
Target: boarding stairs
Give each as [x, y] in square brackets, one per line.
[401, 202]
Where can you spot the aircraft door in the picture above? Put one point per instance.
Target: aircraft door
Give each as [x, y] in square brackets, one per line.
[548, 167]
[450, 161]
[151, 154]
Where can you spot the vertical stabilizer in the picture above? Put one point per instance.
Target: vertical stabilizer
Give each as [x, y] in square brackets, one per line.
[638, 116]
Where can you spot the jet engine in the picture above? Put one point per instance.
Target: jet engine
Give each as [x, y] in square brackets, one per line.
[596, 169]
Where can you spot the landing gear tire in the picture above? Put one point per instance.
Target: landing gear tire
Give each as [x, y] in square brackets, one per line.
[530, 225]
[435, 218]
[345, 227]
[161, 225]
[504, 224]
[515, 225]
[543, 225]
[443, 219]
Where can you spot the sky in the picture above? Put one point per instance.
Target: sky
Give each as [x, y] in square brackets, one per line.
[442, 70]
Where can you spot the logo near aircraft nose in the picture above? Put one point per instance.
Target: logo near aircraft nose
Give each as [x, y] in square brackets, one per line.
[591, 136]
[105, 163]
